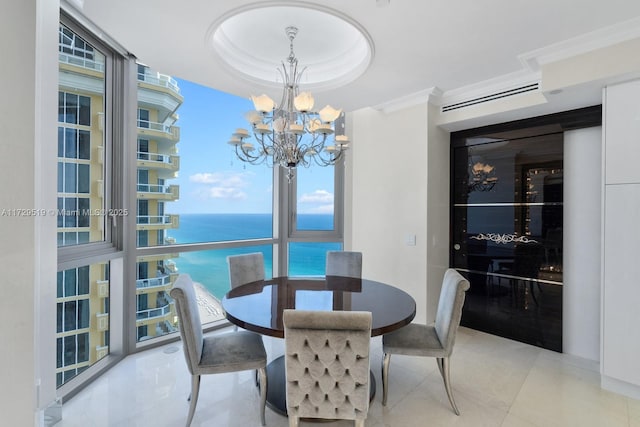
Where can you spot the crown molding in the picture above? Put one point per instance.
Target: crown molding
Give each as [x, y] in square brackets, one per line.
[602, 38]
[430, 95]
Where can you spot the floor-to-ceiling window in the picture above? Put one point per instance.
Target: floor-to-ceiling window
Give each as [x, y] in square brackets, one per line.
[88, 199]
[197, 203]
[190, 202]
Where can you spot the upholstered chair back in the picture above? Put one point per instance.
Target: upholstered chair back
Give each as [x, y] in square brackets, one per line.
[452, 294]
[245, 268]
[327, 363]
[183, 293]
[344, 263]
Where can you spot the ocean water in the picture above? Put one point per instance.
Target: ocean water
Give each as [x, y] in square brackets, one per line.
[210, 267]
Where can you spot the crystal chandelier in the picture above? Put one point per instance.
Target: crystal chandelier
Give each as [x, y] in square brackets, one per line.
[290, 134]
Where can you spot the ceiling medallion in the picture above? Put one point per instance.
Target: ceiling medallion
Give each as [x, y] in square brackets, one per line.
[247, 41]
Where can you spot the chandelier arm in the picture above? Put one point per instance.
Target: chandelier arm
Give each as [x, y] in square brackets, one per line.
[245, 156]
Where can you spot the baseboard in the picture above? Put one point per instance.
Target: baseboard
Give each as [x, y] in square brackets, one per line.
[620, 387]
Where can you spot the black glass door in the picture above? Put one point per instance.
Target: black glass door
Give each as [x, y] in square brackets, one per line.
[507, 235]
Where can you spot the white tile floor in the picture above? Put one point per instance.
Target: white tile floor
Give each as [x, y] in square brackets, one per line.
[496, 382]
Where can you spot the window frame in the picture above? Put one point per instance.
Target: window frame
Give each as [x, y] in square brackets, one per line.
[110, 250]
[112, 236]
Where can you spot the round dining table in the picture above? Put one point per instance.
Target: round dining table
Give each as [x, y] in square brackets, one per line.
[259, 306]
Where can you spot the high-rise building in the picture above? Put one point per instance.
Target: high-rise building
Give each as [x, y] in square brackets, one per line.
[157, 163]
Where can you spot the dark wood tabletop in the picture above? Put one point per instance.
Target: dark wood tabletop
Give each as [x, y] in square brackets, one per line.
[258, 306]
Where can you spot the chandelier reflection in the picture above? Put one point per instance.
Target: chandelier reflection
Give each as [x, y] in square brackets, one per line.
[481, 177]
[290, 134]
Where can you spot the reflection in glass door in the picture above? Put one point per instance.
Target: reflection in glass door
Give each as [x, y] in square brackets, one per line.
[507, 235]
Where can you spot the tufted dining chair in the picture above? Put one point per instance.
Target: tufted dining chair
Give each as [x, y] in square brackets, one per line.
[430, 340]
[228, 352]
[344, 263]
[327, 364]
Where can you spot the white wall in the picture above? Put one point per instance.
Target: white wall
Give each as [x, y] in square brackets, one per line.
[28, 42]
[17, 364]
[438, 211]
[389, 197]
[582, 243]
[621, 233]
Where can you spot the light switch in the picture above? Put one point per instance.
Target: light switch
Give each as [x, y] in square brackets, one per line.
[410, 239]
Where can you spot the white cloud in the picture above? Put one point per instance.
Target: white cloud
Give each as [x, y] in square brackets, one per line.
[221, 185]
[220, 178]
[224, 193]
[318, 196]
[323, 209]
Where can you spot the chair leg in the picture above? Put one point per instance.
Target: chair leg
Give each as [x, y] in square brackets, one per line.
[359, 423]
[262, 373]
[385, 377]
[294, 421]
[195, 389]
[439, 361]
[447, 382]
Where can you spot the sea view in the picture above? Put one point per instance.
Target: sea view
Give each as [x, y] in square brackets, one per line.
[210, 267]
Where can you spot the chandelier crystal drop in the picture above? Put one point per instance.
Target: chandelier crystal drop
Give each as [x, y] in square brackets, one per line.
[290, 134]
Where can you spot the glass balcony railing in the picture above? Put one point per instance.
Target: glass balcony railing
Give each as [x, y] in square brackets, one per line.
[154, 157]
[159, 79]
[90, 64]
[155, 160]
[153, 219]
[154, 282]
[154, 188]
[171, 131]
[154, 313]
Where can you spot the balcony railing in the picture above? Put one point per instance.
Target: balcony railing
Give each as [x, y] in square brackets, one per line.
[153, 313]
[153, 219]
[158, 79]
[155, 191]
[89, 64]
[154, 157]
[154, 282]
[154, 188]
[159, 160]
[172, 131]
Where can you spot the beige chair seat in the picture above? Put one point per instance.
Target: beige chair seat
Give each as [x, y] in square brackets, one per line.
[232, 352]
[415, 340]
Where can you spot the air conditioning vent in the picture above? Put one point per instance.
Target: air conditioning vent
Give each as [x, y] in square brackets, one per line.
[491, 97]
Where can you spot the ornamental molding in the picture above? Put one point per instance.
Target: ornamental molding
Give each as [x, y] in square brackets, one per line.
[503, 238]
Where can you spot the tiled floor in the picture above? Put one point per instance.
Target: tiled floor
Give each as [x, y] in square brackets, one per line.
[496, 382]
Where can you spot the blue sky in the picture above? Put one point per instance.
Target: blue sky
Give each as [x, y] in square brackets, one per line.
[212, 179]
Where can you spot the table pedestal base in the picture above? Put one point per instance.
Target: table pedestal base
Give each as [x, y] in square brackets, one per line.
[277, 386]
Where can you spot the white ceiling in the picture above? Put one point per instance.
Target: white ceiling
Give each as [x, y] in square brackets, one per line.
[418, 45]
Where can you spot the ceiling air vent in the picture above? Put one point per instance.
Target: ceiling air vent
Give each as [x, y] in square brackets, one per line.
[491, 97]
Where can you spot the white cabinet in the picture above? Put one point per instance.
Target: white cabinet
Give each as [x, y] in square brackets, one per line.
[622, 138]
[621, 287]
[621, 240]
